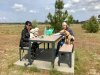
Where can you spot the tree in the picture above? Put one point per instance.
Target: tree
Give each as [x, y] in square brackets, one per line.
[70, 19]
[75, 21]
[34, 23]
[91, 25]
[59, 16]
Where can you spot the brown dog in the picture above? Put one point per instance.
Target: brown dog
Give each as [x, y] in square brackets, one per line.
[67, 36]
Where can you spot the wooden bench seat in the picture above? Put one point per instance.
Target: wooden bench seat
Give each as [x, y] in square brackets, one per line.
[66, 49]
[26, 48]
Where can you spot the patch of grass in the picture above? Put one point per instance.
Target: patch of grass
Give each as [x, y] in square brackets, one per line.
[29, 69]
[54, 72]
[79, 68]
[98, 67]
[22, 68]
[82, 62]
[10, 65]
[34, 69]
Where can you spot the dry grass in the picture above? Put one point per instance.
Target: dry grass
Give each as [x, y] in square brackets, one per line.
[87, 47]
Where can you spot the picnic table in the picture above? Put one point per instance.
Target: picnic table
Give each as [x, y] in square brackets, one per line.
[46, 39]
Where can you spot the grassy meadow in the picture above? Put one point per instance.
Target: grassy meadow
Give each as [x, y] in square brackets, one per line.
[87, 52]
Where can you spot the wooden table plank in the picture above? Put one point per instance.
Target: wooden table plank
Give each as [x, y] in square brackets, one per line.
[47, 38]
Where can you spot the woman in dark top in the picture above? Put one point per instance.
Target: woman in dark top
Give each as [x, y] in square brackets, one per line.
[60, 43]
[25, 35]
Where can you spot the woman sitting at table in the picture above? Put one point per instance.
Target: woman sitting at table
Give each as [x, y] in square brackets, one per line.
[66, 30]
[25, 36]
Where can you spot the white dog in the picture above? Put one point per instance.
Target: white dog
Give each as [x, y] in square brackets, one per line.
[34, 32]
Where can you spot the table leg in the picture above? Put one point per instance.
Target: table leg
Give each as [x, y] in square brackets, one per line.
[53, 54]
[44, 45]
[48, 45]
[29, 54]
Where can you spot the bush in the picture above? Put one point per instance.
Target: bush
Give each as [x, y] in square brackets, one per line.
[84, 25]
[91, 25]
[34, 23]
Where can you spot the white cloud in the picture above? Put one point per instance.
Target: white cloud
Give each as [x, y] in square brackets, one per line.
[67, 5]
[84, 9]
[49, 8]
[72, 11]
[85, 5]
[91, 0]
[33, 11]
[3, 18]
[76, 1]
[19, 7]
[97, 7]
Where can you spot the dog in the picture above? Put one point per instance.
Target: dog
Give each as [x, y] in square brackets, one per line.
[67, 36]
[34, 32]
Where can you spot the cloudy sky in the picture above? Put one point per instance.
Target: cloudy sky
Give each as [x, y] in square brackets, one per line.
[22, 10]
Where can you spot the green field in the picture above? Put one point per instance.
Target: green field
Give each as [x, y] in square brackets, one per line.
[87, 49]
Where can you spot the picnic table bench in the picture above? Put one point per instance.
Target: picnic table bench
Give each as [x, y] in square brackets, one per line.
[66, 49]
